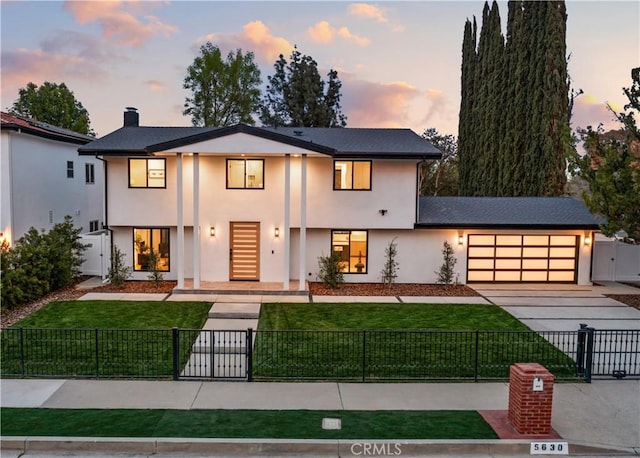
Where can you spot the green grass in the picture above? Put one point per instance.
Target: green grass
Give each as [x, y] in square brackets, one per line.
[118, 315]
[276, 424]
[387, 316]
[371, 342]
[101, 339]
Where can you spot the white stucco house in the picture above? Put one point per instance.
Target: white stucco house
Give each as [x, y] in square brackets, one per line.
[262, 204]
[43, 179]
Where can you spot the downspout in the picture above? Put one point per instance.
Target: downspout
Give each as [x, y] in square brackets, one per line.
[105, 216]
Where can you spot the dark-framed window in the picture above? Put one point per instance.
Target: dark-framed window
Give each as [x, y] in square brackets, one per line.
[352, 247]
[245, 173]
[148, 241]
[69, 169]
[147, 173]
[94, 225]
[89, 174]
[352, 175]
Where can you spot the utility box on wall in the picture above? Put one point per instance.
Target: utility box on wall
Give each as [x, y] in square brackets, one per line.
[530, 398]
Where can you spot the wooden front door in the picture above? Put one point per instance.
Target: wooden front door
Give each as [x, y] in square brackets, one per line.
[244, 251]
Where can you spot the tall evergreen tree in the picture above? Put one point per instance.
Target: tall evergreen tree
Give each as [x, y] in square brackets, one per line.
[296, 95]
[466, 134]
[521, 105]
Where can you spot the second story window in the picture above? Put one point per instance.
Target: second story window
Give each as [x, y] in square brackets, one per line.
[245, 173]
[69, 169]
[352, 175]
[89, 173]
[147, 173]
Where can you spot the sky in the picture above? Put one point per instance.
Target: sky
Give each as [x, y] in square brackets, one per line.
[398, 61]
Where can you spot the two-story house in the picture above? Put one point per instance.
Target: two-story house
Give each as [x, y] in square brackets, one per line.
[43, 179]
[263, 204]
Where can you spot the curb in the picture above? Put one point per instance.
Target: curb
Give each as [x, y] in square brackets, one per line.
[293, 447]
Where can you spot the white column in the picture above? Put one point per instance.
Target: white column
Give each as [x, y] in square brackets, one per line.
[180, 223]
[196, 221]
[287, 223]
[303, 222]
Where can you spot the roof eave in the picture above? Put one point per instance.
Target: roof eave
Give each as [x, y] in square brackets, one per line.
[370, 155]
[466, 225]
[48, 136]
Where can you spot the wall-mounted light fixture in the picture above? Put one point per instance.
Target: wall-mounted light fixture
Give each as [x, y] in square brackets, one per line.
[212, 231]
[276, 232]
[460, 238]
[383, 211]
[587, 238]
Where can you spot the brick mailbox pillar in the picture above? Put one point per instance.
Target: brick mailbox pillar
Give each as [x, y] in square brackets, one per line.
[530, 398]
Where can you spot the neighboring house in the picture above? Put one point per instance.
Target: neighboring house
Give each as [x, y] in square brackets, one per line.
[43, 179]
[268, 202]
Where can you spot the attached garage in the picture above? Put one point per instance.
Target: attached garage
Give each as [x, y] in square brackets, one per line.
[516, 239]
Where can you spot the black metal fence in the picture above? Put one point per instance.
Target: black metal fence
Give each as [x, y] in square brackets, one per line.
[315, 355]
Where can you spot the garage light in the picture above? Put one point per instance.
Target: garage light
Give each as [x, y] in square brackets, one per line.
[460, 238]
[587, 240]
[212, 231]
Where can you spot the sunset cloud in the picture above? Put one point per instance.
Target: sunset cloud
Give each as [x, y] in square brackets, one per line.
[255, 37]
[370, 104]
[156, 86]
[324, 33]
[368, 11]
[588, 111]
[119, 21]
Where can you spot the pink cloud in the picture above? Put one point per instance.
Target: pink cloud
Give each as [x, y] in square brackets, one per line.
[368, 11]
[369, 104]
[587, 111]
[117, 22]
[156, 86]
[255, 37]
[324, 33]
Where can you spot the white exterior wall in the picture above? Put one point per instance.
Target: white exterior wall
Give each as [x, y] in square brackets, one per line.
[34, 183]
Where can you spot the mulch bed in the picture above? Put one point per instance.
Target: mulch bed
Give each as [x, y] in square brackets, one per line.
[632, 300]
[138, 287]
[396, 289]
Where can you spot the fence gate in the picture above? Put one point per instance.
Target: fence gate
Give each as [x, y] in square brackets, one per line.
[212, 354]
[608, 352]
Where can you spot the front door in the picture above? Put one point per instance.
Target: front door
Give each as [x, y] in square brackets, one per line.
[244, 251]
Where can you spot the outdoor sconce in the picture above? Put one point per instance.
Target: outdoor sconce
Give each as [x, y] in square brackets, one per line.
[587, 239]
[383, 211]
[212, 231]
[460, 238]
[276, 232]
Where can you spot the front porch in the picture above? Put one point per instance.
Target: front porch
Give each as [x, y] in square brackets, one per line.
[243, 287]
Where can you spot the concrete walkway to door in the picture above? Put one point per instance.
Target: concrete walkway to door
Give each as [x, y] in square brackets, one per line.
[563, 307]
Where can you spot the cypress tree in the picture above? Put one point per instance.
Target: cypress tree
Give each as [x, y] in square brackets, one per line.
[466, 128]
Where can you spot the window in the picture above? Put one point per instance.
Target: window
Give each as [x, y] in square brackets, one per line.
[352, 175]
[352, 248]
[69, 169]
[148, 241]
[147, 173]
[245, 173]
[89, 174]
[94, 225]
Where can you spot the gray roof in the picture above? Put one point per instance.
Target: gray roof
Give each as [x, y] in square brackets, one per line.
[505, 212]
[336, 142]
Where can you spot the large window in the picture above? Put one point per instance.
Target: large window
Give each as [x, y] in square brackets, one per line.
[148, 242]
[245, 173]
[147, 173]
[352, 248]
[352, 175]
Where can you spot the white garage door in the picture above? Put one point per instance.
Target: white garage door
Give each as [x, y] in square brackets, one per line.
[522, 258]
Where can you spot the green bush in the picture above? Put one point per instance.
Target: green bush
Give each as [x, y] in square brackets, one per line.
[446, 273]
[119, 272]
[389, 272]
[153, 266]
[330, 271]
[39, 263]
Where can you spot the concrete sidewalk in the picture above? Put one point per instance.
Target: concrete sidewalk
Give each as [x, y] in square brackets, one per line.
[604, 414]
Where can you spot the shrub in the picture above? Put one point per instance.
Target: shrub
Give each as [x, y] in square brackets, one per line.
[65, 253]
[118, 272]
[330, 272]
[155, 275]
[446, 274]
[389, 272]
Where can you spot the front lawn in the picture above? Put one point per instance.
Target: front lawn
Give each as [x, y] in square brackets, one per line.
[101, 339]
[276, 424]
[372, 342]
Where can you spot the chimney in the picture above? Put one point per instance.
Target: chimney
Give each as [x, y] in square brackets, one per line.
[131, 117]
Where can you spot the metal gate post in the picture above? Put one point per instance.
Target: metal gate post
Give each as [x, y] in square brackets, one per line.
[175, 339]
[589, 360]
[249, 352]
[580, 349]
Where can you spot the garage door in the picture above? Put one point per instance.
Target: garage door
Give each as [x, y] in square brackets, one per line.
[522, 258]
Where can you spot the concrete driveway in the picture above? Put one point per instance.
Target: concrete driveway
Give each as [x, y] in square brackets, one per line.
[545, 307]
